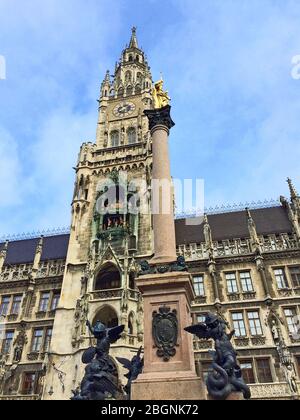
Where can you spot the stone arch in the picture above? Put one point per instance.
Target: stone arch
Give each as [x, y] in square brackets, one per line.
[108, 277]
[107, 315]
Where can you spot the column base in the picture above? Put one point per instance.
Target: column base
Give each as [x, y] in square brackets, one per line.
[173, 386]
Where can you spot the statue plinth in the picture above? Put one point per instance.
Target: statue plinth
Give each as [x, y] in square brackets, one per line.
[169, 366]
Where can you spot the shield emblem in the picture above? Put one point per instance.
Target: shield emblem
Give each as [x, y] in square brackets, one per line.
[165, 332]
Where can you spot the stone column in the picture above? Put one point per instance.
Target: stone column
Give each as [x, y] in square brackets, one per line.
[169, 370]
[160, 123]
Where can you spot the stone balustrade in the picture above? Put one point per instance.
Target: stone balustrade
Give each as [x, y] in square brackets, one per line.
[234, 247]
[277, 390]
[23, 271]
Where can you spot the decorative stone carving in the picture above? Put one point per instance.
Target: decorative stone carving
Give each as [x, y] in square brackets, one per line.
[165, 332]
[20, 343]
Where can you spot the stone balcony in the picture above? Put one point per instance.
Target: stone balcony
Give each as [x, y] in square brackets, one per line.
[274, 391]
[109, 294]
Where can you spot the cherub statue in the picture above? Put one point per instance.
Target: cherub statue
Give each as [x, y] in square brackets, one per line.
[135, 368]
[226, 375]
[160, 98]
[100, 381]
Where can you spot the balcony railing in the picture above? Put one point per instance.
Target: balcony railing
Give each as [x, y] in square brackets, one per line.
[19, 397]
[271, 243]
[277, 390]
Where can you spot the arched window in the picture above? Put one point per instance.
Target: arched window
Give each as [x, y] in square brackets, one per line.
[108, 316]
[131, 135]
[112, 93]
[128, 76]
[115, 138]
[120, 93]
[138, 90]
[108, 278]
[129, 91]
[137, 58]
[130, 58]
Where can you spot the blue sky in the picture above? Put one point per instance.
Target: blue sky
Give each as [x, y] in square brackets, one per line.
[226, 63]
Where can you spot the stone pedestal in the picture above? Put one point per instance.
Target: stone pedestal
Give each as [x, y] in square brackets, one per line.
[235, 396]
[176, 378]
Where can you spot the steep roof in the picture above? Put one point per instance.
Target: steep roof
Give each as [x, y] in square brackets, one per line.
[234, 225]
[21, 252]
[224, 226]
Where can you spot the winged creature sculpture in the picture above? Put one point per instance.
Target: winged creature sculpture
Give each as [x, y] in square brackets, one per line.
[100, 381]
[225, 376]
[134, 367]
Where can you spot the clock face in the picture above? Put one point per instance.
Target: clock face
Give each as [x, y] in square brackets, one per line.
[124, 109]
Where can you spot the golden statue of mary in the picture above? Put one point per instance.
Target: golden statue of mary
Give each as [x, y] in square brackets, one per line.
[160, 98]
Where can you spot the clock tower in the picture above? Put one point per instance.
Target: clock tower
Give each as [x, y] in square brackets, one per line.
[107, 240]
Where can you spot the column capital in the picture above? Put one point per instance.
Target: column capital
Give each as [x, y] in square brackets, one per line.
[160, 117]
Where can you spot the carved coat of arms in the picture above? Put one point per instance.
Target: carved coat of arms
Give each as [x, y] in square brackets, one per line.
[165, 332]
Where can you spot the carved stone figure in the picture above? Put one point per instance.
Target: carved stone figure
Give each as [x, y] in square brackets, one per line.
[20, 343]
[100, 381]
[77, 323]
[84, 311]
[226, 375]
[135, 368]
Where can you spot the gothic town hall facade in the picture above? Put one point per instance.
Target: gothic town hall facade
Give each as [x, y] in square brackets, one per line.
[245, 266]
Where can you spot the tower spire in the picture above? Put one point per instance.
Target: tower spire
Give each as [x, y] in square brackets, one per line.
[293, 191]
[133, 41]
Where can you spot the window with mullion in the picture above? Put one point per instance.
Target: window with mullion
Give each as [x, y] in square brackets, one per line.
[48, 338]
[231, 281]
[37, 341]
[264, 371]
[55, 301]
[4, 307]
[291, 318]
[7, 342]
[16, 305]
[281, 278]
[239, 324]
[246, 281]
[199, 286]
[295, 275]
[44, 302]
[255, 323]
[248, 371]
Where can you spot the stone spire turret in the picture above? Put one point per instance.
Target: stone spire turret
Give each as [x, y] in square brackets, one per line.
[255, 244]
[293, 191]
[133, 41]
[3, 254]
